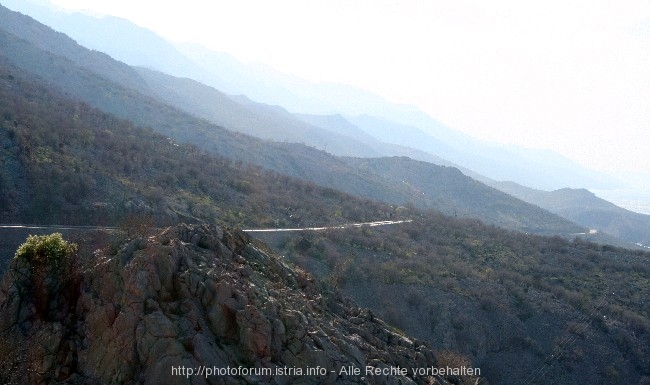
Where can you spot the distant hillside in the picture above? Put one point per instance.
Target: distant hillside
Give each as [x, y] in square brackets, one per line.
[117, 37]
[338, 124]
[112, 93]
[138, 46]
[64, 162]
[586, 209]
[255, 119]
[532, 167]
[464, 196]
[270, 122]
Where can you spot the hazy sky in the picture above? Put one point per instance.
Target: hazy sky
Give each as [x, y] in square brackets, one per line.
[573, 76]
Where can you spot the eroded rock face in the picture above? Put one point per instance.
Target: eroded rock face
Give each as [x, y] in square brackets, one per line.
[200, 298]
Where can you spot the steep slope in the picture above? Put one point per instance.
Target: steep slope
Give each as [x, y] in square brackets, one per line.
[464, 196]
[200, 300]
[67, 163]
[585, 208]
[241, 114]
[525, 309]
[127, 97]
[138, 46]
[255, 119]
[61, 45]
[250, 118]
[119, 169]
[296, 160]
[537, 168]
[121, 39]
[290, 159]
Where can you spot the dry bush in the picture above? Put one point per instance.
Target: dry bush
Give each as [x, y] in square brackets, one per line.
[452, 359]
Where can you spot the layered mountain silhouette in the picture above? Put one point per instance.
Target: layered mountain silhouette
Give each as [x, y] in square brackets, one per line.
[585, 208]
[121, 90]
[539, 169]
[88, 140]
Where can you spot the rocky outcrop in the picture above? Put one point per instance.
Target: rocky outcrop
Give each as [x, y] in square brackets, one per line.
[195, 305]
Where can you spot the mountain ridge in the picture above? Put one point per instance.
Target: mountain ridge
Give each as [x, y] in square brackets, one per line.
[294, 160]
[584, 207]
[455, 281]
[291, 92]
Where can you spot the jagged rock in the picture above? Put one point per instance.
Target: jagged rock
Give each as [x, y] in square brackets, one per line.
[196, 298]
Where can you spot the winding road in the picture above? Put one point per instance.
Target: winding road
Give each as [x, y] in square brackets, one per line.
[276, 230]
[346, 226]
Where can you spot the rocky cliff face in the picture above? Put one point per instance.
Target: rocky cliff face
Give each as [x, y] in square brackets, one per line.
[193, 305]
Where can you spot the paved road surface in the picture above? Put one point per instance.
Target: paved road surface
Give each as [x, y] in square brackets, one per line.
[345, 226]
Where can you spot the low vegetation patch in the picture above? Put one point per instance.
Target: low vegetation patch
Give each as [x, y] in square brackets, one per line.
[50, 250]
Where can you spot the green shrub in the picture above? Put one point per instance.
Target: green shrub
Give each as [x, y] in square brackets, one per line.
[51, 283]
[41, 250]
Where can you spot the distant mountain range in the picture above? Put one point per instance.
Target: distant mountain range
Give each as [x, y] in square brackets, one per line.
[141, 47]
[359, 136]
[128, 93]
[585, 208]
[86, 139]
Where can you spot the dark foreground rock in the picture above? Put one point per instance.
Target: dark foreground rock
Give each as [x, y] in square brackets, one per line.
[193, 305]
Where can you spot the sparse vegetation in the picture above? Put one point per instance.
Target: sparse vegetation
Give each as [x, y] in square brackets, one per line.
[81, 166]
[482, 292]
[475, 291]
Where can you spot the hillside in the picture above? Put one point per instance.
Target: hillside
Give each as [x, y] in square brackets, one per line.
[200, 301]
[586, 209]
[464, 196]
[538, 168]
[137, 46]
[67, 163]
[338, 124]
[255, 119]
[171, 181]
[139, 105]
[526, 309]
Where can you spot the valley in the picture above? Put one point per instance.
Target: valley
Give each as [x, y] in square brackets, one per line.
[221, 231]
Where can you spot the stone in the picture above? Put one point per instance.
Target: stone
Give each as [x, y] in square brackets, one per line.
[196, 296]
